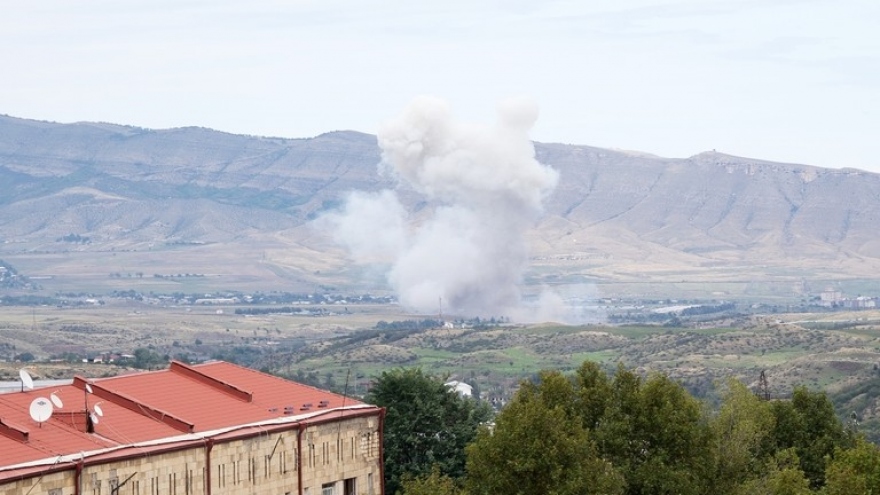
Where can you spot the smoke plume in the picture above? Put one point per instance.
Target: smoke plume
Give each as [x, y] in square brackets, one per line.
[486, 190]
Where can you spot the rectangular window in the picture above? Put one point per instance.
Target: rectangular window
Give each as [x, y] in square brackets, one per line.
[55, 491]
[370, 483]
[349, 486]
[328, 489]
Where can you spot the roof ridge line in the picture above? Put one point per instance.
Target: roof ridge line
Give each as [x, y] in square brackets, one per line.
[13, 430]
[134, 405]
[215, 383]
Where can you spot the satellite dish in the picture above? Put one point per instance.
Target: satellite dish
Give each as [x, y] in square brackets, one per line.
[98, 410]
[56, 400]
[88, 388]
[94, 419]
[26, 379]
[41, 409]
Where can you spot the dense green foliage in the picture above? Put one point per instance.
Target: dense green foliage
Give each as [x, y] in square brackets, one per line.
[627, 434]
[427, 424]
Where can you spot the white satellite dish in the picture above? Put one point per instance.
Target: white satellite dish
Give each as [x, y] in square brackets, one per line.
[98, 410]
[94, 419]
[41, 409]
[88, 388]
[56, 400]
[26, 379]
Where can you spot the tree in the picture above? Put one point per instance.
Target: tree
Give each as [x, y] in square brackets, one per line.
[809, 425]
[433, 484]
[25, 357]
[854, 471]
[536, 446]
[740, 430]
[656, 434]
[146, 359]
[426, 424]
[783, 478]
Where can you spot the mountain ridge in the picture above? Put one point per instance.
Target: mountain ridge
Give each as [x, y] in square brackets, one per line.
[614, 216]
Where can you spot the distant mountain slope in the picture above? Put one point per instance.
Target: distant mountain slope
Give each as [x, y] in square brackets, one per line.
[614, 215]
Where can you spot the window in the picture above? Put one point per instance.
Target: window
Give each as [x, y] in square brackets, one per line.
[55, 491]
[328, 489]
[349, 486]
[370, 483]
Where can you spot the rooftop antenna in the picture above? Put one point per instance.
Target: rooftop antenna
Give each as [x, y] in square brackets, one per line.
[56, 401]
[41, 410]
[26, 381]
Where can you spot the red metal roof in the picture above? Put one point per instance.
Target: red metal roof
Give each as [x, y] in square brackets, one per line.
[157, 405]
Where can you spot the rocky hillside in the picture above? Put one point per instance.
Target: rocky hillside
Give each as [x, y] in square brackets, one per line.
[615, 216]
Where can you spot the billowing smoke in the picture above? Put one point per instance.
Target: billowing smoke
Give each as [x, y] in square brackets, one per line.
[486, 190]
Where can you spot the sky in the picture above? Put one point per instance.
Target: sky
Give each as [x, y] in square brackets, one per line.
[791, 81]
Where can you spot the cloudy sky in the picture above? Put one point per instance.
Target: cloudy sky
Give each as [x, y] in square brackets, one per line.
[792, 81]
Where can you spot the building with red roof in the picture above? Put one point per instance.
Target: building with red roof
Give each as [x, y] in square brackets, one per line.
[189, 430]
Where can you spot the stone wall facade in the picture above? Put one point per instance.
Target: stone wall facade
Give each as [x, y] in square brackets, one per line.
[339, 457]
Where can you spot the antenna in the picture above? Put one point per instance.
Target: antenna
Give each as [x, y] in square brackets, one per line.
[26, 381]
[56, 400]
[98, 410]
[41, 410]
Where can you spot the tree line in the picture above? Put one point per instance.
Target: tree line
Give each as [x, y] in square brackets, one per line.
[621, 433]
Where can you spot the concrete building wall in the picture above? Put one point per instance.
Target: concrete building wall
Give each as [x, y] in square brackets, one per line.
[346, 450]
[264, 464]
[261, 464]
[170, 473]
[60, 483]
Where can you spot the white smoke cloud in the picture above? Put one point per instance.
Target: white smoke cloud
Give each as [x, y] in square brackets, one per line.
[487, 190]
